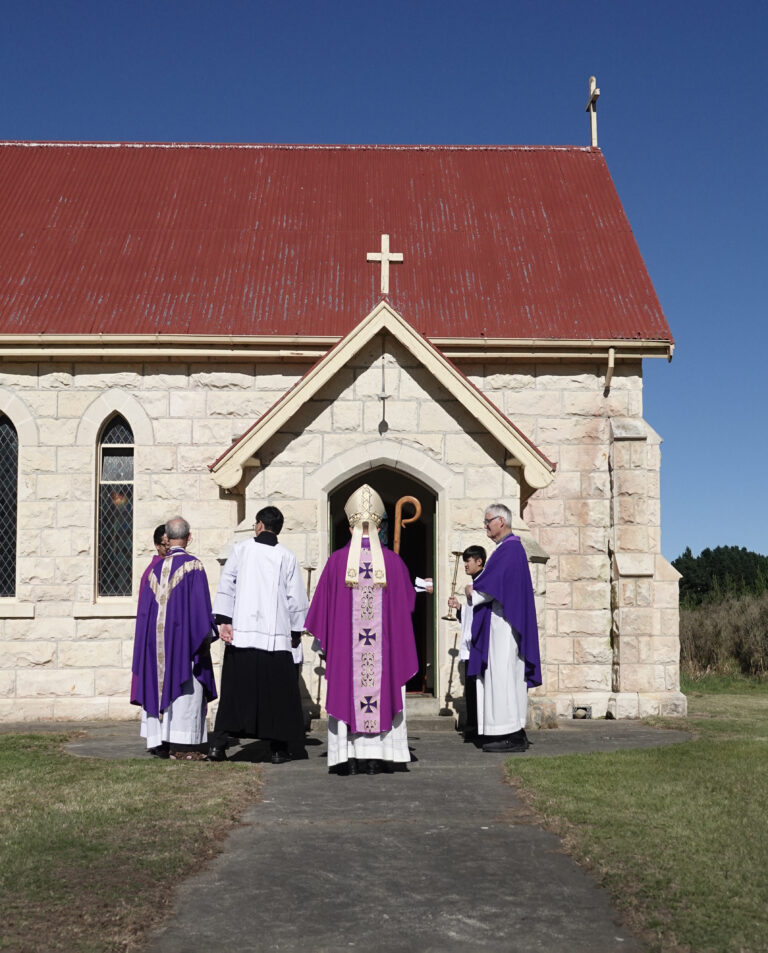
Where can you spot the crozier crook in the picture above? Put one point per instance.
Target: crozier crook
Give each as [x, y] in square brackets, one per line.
[400, 522]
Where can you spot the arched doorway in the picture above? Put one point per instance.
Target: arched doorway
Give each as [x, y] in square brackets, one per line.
[417, 550]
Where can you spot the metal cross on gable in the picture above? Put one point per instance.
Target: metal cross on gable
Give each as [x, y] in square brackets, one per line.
[385, 256]
[591, 108]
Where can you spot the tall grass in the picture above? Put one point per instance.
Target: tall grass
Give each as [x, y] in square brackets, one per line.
[726, 637]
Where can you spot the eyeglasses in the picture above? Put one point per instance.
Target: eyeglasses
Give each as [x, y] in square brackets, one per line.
[488, 522]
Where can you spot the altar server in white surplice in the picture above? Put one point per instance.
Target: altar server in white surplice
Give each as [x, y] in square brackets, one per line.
[261, 606]
[474, 560]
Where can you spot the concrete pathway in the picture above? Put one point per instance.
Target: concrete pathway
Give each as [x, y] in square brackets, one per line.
[438, 859]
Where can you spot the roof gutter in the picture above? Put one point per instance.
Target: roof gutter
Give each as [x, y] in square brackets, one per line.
[41, 347]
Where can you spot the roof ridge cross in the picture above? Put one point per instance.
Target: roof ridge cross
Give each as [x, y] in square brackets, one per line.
[385, 256]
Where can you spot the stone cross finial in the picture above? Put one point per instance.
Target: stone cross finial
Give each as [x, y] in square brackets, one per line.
[385, 256]
[591, 108]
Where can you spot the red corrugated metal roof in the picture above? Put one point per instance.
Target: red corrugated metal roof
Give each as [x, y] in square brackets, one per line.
[500, 241]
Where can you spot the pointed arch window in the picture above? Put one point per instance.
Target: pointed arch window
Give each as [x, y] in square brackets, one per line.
[9, 495]
[115, 516]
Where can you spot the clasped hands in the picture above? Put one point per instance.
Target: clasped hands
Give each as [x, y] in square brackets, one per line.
[226, 634]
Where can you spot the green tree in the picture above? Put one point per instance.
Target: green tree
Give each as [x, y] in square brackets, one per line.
[719, 572]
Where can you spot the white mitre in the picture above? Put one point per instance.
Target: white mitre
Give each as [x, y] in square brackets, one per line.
[365, 506]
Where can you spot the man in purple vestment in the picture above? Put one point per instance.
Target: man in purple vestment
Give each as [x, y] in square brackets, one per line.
[360, 617]
[172, 672]
[504, 652]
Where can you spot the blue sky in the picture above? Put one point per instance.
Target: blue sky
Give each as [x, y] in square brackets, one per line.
[682, 123]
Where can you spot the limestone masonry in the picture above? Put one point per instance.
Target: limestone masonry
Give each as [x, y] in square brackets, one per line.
[606, 597]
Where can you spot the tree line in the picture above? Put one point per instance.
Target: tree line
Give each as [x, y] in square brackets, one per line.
[723, 612]
[720, 572]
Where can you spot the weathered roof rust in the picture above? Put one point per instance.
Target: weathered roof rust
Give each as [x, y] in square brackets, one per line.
[498, 241]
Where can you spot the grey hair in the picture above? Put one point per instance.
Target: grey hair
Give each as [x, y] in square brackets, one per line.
[177, 528]
[498, 509]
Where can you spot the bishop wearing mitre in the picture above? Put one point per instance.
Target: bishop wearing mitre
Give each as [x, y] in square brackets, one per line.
[360, 617]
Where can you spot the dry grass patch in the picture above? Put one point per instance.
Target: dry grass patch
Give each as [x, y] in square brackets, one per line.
[727, 637]
[90, 849]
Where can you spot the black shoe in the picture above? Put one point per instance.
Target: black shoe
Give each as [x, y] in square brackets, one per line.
[161, 751]
[280, 756]
[352, 766]
[520, 738]
[507, 746]
[374, 767]
[217, 754]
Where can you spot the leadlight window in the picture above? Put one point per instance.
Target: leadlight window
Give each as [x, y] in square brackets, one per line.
[9, 493]
[115, 518]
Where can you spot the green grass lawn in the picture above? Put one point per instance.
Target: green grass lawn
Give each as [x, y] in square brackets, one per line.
[90, 849]
[679, 835]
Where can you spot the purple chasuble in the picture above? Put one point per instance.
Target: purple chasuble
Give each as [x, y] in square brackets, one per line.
[366, 634]
[145, 575]
[173, 622]
[507, 579]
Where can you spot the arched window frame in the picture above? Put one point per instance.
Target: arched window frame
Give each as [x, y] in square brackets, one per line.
[115, 509]
[9, 505]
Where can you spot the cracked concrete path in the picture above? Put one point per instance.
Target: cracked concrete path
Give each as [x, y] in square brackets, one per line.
[441, 858]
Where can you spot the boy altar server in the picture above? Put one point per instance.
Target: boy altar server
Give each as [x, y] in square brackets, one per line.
[474, 560]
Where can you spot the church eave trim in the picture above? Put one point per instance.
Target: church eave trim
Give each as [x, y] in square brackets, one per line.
[537, 469]
[473, 349]
[309, 347]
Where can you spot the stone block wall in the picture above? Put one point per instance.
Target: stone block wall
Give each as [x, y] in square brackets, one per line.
[644, 592]
[67, 655]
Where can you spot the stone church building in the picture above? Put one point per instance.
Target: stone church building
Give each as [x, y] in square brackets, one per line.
[205, 329]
